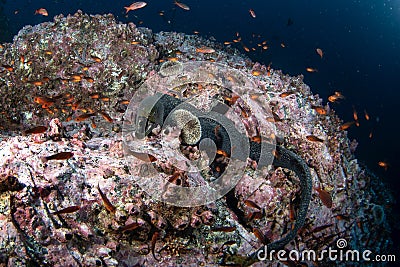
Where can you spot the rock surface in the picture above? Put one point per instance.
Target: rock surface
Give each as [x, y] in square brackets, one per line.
[76, 76]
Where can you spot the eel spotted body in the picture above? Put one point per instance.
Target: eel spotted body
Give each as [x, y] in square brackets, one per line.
[156, 111]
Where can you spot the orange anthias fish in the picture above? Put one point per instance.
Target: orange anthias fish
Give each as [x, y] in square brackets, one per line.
[256, 73]
[106, 116]
[107, 203]
[205, 50]
[366, 115]
[182, 5]
[95, 95]
[144, 157]
[320, 110]
[252, 13]
[59, 156]
[96, 59]
[41, 11]
[128, 227]
[36, 130]
[319, 52]
[346, 125]
[383, 164]
[67, 210]
[311, 69]
[135, 5]
[89, 79]
[285, 94]
[355, 114]
[173, 59]
[37, 83]
[314, 138]
[335, 97]
[8, 68]
[254, 216]
[84, 117]
[124, 102]
[44, 100]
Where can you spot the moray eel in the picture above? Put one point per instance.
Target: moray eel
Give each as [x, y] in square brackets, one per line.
[155, 110]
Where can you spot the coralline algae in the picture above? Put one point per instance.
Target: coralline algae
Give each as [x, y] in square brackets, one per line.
[56, 73]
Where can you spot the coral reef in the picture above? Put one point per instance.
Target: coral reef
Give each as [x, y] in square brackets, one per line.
[76, 75]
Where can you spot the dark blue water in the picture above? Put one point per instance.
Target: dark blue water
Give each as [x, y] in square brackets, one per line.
[360, 40]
